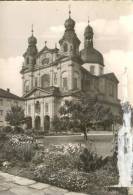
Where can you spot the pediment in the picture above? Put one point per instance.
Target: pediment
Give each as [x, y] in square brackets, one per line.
[37, 92]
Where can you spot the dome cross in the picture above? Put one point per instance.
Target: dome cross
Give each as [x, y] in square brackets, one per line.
[88, 20]
[32, 30]
[69, 7]
[45, 43]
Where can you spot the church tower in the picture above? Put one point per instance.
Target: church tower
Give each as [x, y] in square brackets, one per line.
[31, 52]
[93, 59]
[30, 57]
[69, 43]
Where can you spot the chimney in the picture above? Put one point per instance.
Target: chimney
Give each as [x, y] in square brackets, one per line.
[8, 90]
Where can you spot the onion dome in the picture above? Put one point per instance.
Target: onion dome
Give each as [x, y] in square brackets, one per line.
[32, 49]
[32, 40]
[69, 23]
[88, 33]
[89, 54]
[92, 56]
[88, 29]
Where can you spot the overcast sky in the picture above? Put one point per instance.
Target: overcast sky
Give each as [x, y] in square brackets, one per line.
[112, 22]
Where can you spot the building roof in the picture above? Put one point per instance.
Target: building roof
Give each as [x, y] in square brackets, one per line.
[111, 76]
[91, 55]
[8, 94]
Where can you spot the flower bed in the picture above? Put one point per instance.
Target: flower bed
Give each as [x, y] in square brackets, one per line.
[70, 166]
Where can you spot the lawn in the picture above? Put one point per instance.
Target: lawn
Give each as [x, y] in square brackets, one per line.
[101, 144]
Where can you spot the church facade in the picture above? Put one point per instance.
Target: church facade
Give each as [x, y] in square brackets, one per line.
[51, 76]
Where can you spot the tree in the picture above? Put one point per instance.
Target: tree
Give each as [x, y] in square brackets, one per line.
[86, 113]
[15, 115]
[56, 123]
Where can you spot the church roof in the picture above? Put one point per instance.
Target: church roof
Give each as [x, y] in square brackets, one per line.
[8, 94]
[91, 55]
[111, 76]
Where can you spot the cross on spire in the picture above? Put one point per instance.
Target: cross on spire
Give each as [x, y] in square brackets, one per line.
[69, 7]
[45, 43]
[88, 20]
[32, 31]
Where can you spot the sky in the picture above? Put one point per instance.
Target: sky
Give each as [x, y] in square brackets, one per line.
[112, 22]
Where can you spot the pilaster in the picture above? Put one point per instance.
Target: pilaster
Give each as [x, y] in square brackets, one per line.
[42, 114]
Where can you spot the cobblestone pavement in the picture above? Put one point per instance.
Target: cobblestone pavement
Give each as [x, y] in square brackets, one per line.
[14, 185]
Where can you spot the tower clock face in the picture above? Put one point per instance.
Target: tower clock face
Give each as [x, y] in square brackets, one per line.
[45, 61]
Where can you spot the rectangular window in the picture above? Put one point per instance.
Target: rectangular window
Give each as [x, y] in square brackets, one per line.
[27, 88]
[55, 78]
[75, 82]
[1, 102]
[36, 82]
[92, 69]
[101, 71]
[111, 89]
[29, 109]
[65, 83]
[1, 112]
[46, 107]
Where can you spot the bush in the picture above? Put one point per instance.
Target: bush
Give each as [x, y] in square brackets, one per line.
[74, 180]
[18, 129]
[21, 147]
[89, 161]
[73, 167]
[7, 129]
[38, 157]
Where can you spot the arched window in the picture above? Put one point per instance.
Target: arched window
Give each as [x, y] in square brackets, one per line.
[65, 46]
[26, 86]
[64, 81]
[75, 80]
[45, 81]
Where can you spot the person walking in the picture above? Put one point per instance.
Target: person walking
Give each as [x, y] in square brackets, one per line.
[84, 130]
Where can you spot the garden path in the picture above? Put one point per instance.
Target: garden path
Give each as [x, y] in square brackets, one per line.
[14, 185]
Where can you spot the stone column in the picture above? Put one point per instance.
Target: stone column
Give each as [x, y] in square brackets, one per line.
[23, 84]
[33, 114]
[31, 80]
[70, 76]
[52, 113]
[42, 114]
[59, 76]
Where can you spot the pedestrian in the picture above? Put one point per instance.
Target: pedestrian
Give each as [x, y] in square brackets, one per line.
[84, 130]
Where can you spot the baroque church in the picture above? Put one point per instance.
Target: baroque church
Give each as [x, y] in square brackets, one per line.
[51, 76]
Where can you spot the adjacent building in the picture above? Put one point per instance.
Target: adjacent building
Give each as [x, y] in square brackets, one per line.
[51, 76]
[7, 100]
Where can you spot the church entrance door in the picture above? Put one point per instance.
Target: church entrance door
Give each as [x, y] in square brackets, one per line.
[29, 122]
[46, 123]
